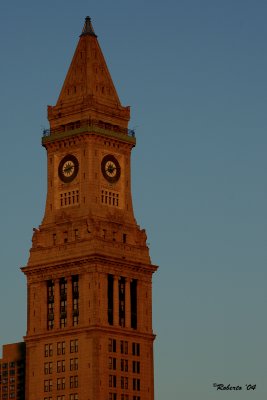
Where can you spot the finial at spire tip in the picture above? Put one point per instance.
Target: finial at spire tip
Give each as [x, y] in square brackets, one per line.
[88, 28]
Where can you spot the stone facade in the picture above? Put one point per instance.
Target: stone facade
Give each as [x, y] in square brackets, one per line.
[89, 274]
[12, 372]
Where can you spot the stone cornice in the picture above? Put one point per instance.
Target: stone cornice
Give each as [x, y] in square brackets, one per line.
[111, 330]
[96, 263]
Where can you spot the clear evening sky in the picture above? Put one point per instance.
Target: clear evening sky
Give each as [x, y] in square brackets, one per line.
[194, 74]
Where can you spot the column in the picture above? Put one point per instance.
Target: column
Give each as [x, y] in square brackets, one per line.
[116, 300]
[104, 298]
[127, 302]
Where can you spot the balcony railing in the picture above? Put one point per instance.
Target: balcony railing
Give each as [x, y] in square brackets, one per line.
[90, 124]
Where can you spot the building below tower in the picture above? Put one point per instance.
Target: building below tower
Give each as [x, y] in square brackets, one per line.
[12, 372]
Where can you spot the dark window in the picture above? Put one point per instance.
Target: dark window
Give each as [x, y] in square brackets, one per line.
[136, 384]
[134, 303]
[74, 346]
[112, 345]
[122, 301]
[50, 304]
[136, 349]
[124, 347]
[136, 367]
[75, 300]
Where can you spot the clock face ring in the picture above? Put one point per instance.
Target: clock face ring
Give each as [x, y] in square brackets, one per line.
[110, 168]
[68, 168]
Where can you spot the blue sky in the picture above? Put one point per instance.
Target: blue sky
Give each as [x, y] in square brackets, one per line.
[194, 74]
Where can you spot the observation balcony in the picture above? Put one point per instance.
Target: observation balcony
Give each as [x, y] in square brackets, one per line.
[89, 127]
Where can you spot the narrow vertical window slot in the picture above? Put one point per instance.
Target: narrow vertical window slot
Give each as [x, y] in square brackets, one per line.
[75, 300]
[122, 301]
[133, 289]
[50, 304]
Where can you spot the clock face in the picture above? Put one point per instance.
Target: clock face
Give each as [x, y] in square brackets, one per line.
[68, 168]
[111, 169]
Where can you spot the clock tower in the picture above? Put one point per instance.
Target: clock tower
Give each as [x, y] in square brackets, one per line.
[89, 274]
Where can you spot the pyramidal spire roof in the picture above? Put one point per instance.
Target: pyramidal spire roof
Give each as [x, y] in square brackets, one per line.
[88, 28]
[88, 91]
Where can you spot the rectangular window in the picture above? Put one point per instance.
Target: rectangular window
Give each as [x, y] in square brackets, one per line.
[112, 345]
[136, 367]
[50, 304]
[63, 306]
[48, 368]
[73, 381]
[136, 384]
[70, 198]
[73, 364]
[48, 350]
[76, 381]
[61, 383]
[124, 382]
[124, 347]
[112, 396]
[61, 366]
[74, 346]
[112, 363]
[63, 288]
[133, 290]
[48, 385]
[75, 301]
[112, 381]
[122, 301]
[124, 365]
[136, 349]
[74, 396]
[110, 198]
[63, 300]
[61, 346]
[75, 286]
[75, 305]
